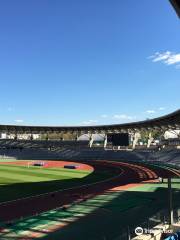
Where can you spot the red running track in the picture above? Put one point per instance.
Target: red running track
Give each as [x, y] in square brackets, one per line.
[125, 173]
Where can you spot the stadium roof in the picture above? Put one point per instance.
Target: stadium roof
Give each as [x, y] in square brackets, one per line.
[176, 5]
[170, 121]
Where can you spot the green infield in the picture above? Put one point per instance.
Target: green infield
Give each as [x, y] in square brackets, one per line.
[23, 181]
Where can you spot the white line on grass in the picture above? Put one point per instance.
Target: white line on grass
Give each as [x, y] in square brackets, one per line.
[65, 189]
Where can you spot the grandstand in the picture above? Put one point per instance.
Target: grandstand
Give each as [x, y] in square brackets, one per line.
[166, 150]
[128, 156]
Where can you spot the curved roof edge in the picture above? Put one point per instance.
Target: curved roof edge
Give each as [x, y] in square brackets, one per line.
[176, 6]
[169, 121]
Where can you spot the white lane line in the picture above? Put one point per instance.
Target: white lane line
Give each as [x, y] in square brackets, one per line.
[65, 189]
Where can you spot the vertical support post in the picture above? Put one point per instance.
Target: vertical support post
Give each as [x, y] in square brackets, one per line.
[16, 136]
[105, 141]
[170, 201]
[31, 137]
[150, 140]
[91, 140]
[47, 137]
[77, 135]
[137, 136]
[62, 137]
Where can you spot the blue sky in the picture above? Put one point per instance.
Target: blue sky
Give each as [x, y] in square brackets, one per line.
[88, 62]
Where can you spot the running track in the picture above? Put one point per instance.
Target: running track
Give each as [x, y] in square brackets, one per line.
[125, 174]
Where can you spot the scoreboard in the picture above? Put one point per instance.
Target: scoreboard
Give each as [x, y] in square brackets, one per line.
[118, 139]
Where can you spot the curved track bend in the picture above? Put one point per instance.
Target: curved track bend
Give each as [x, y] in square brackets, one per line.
[124, 173]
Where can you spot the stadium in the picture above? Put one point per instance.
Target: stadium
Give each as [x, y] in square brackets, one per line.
[114, 178]
[57, 189]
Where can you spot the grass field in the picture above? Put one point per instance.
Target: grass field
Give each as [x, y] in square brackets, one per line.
[21, 181]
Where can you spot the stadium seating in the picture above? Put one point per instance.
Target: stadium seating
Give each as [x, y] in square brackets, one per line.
[12, 143]
[80, 151]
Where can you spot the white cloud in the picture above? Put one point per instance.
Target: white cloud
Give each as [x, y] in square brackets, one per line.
[104, 115]
[162, 108]
[150, 111]
[19, 121]
[123, 117]
[168, 58]
[90, 122]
